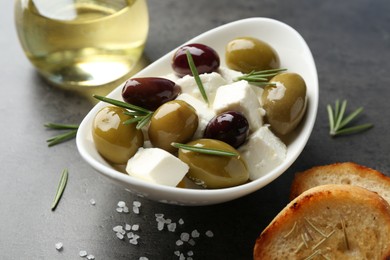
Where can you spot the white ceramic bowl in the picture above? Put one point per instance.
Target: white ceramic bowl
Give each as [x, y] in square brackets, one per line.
[294, 55]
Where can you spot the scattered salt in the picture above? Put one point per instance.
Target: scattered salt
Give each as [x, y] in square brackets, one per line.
[90, 257]
[191, 242]
[195, 233]
[121, 204]
[92, 201]
[135, 227]
[136, 204]
[133, 241]
[177, 253]
[127, 227]
[143, 258]
[119, 235]
[189, 258]
[182, 257]
[83, 253]
[59, 246]
[160, 226]
[120, 210]
[136, 210]
[130, 235]
[209, 233]
[184, 237]
[171, 227]
[181, 221]
[117, 228]
[125, 209]
[190, 253]
[179, 242]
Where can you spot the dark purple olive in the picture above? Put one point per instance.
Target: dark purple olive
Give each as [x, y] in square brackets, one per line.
[205, 59]
[149, 93]
[230, 127]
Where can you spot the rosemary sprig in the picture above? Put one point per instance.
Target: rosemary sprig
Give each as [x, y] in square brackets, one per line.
[61, 137]
[260, 78]
[205, 150]
[195, 74]
[60, 188]
[140, 115]
[338, 123]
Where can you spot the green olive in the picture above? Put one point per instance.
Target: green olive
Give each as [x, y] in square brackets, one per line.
[115, 141]
[247, 54]
[285, 103]
[214, 171]
[174, 121]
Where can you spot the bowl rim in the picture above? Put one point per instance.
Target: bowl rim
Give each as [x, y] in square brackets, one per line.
[199, 195]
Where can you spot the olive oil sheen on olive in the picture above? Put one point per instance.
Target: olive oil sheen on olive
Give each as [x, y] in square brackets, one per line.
[82, 42]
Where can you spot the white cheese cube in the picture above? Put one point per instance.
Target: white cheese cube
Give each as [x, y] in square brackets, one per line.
[157, 166]
[239, 96]
[205, 114]
[210, 81]
[228, 74]
[262, 152]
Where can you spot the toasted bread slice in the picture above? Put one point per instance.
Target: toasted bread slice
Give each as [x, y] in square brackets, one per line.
[342, 173]
[329, 222]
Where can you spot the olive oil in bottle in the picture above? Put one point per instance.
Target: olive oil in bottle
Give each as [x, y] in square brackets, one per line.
[82, 43]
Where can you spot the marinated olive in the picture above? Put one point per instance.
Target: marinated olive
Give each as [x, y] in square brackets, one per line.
[115, 141]
[230, 127]
[205, 58]
[174, 121]
[149, 93]
[285, 102]
[214, 171]
[247, 54]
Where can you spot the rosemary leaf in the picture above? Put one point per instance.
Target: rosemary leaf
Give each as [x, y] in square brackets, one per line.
[144, 121]
[205, 150]
[339, 125]
[133, 120]
[59, 126]
[61, 137]
[261, 77]
[354, 129]
[122, 104]
[60, 188]
[195, 74]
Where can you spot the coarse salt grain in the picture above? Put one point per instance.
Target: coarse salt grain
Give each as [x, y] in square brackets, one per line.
[119, 235]
[143, 258]
[117, 228]
[92, 201]
[137, 204]
[195, 233]
[184, 237]
[120, 210]
[171, 227]
[125, 209]
[179, 242]
[182, 257]
[190, 253]
[135, 227]
[191, 242]
[130, 235]
[83, 253]
[127, 227]
[209, 233]
[121, 204]
[160, 225]
[90, 257]
[136, 210]
[181, 221]
[177, 253]
[59, 246]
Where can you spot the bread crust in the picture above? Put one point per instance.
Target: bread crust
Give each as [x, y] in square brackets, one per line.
[341, 173]
[334, 210]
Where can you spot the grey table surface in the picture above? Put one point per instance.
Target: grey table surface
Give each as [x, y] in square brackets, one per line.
[350, 41]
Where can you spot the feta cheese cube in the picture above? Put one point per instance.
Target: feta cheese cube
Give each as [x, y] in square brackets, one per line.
[205, 114]
[157, 166]
[262, 152]
[210, 81]
[228, 74]
[239, 96]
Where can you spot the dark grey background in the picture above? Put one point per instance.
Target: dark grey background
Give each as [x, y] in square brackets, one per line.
[350, 41]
